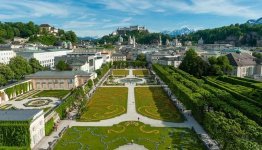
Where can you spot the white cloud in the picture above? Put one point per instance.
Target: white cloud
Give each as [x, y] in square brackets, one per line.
[128, 19]
[217, 7]
[78, 24]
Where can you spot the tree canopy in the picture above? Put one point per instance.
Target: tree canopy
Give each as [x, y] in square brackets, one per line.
[9, 30]
[20, 66]
[241, 34]
[62, 66]
[35, 64]
[194, 65]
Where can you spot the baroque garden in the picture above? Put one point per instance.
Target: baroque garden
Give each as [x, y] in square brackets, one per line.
[142, 109]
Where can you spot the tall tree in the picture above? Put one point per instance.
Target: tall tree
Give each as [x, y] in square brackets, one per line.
[6, 71]
[193, 64]
[3, 81]
[35, 64]
[62, 66]
[20, 66]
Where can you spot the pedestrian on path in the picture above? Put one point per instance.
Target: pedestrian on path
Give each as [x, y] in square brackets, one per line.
[138, 118]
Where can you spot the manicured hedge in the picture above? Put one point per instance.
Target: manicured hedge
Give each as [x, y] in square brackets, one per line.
[17, 89]
[14, 134]
[238, 81]
[224, 123]
[49, 127]
[76, 95]
[234, 93]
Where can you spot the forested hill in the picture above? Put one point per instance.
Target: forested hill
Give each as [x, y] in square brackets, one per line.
[9, 30]
[240, 34]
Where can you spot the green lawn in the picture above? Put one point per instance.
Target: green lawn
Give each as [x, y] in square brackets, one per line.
[153, 102]
[106, 103]
[120, 72]
[52, 93]
[101, 138]
[141, 72]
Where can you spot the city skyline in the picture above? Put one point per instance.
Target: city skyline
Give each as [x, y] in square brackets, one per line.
[88, 18]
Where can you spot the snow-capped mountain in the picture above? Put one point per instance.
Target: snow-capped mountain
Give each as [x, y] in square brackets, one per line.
[177, 32]
[90, 38]
[254, 21]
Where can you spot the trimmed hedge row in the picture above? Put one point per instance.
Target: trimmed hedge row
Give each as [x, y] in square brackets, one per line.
[235, 94]
[14, 134]
[246, 79]
[17, 89]
[49, 127]
[251, 111]
[77, 94]
[233, 129]
[237, 81]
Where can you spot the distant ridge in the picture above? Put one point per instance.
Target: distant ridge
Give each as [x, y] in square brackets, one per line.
[254, 21]
[88, 38]
[182, 31]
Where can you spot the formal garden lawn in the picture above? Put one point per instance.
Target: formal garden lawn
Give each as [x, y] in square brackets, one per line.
[101, 138]
[153, 102]
[52, 93]
[141, 72]
[120, 72]
[107, 102]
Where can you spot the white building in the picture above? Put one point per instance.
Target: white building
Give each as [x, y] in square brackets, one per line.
[106, 57]
[174, 61]
[244, 65]
[176, 43]
[20, 40]
[98, 62]
[6, 55]
[46, 58]
[35, 117]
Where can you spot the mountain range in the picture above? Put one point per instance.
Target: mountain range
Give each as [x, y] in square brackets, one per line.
[254, 21]
[177, 32]
[88, 38]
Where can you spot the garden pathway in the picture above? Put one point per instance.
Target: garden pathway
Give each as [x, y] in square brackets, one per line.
[131, 115]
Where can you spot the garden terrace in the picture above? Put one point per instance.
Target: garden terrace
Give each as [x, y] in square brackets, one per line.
[123, 133]
[107, 102]
[53, 93]
[225, 122]
[140, 72]
[154, 103]
[120, 72]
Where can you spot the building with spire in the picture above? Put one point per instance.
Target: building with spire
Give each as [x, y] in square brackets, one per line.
[160, 41]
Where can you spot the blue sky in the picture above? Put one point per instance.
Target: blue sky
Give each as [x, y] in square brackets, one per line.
[100, 17]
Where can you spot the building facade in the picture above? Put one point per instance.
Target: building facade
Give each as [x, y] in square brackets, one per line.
[59, 80]
[35, 118]
[244, 65]
[46, 58]
[118, 57]
[6, 55]
[174, 61]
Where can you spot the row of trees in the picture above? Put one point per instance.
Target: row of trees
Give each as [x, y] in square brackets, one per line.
[195, 65]
[17, 68]
[222, 115]
[242, 34]
[9, 30]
